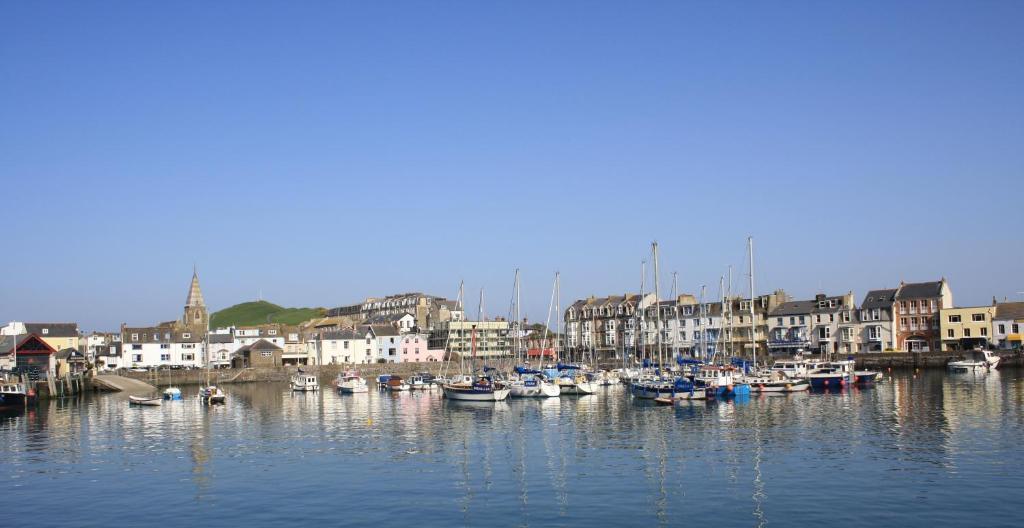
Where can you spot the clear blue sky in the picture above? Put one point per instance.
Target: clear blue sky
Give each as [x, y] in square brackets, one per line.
[323, 152]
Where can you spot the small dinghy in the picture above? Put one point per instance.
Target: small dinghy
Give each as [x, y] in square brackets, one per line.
[144, 401]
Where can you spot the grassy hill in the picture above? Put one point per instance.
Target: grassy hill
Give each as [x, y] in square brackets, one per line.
[259, 312]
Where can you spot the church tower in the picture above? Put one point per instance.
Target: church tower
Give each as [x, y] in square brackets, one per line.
[195, 308]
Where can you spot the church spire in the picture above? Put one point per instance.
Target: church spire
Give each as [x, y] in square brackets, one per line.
[195, 295]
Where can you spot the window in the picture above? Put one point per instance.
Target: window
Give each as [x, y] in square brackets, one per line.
[188, 357]
[135, 337]
[367, 341]
[267, 353]
[933, 304]
[136, 347]
[272, 332]
[967, 332]
[978, 317]
[903, 307]
[875, 332]
[950, 333]
[984, 331]
[824, 332]
[875, 314]
[137, 358]
[165, 357]
[954, 318]
[801, 319]
[831, 318]
[165, 345]
[1002, 329]
[186, 335]
[817, 318]
[1016, 328]
[46, 331]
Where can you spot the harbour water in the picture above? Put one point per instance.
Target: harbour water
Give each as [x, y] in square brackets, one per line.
[920, 450]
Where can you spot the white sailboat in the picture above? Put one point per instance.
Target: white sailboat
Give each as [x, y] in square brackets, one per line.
[209, 393]
[466, 387]
[530, 383]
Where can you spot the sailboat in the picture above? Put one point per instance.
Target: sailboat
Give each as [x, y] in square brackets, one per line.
[466, 387]
[208, 393]
[530, 383]
[572, 380]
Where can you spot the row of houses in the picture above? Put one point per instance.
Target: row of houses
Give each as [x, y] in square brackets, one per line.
[913, 317]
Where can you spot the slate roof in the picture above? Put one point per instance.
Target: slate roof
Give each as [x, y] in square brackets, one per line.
[387, 319]
[7, 343]
[53, 329]
[343, 334]
[382, 330]
[794, 308]
[918, 290]
[1009, 311]
[878, 299]
[262, 344]
[221, 338]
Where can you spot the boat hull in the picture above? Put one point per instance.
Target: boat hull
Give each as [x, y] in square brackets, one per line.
[780, 386]
[353, 389]
[540, 390]
[830, 382]
[146, 402]
[474, 393]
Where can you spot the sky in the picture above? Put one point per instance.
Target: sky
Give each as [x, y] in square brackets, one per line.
[316, 153]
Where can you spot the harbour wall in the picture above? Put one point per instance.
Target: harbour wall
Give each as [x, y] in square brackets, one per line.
[902, 360]
[326, 373]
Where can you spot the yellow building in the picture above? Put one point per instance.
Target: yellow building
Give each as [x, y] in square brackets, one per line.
[60, 336]
[966, 328]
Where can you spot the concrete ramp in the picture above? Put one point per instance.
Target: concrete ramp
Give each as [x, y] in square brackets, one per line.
[112, 382]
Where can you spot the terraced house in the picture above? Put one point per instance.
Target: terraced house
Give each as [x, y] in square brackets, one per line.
[917, 309]
[966, 328]
[1007, 325]
[877, 327]
[605, 326]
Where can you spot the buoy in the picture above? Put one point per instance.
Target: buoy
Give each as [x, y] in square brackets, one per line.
[856, 379]
[826, 383]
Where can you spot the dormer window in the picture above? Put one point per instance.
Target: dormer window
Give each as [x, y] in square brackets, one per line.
[186, 335]
[271, 332]
[46, 331]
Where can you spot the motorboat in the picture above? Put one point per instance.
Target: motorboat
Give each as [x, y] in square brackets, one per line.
[483, 388]
[350, 383]
[211, 394]
[418, 382]
[720, 382]
[13, 394]
[979, 360]
[172, 393]
[836, 374]
[396, 384]
[144, 401]
[677, 388]
[776, 382]
[304, 382]
[572, 380]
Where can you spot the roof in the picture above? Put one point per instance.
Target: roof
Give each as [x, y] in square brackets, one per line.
[195, 295]
[1009, 311]
[262, 344]
[53, 329]
[918, 290]
[382, 330]
[7, 343]
[385, 319]
[342, 334]
[794, 308]
[69, 353]
[878, 299]
[221, 338]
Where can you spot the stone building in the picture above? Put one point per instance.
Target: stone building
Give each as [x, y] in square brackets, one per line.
[262, 353]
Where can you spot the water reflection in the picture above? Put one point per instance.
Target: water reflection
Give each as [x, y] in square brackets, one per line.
[920, 448]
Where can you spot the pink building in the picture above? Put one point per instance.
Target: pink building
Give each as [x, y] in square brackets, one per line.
[413, 349]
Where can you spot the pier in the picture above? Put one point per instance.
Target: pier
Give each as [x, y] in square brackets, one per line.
[111, 382]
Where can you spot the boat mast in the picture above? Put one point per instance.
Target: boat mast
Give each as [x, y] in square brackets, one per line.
[558, 317]
[641, 333]
[657, 304]
[732, 348]
[675, 309]
[701, 313]
[518, 339]
[753, 324]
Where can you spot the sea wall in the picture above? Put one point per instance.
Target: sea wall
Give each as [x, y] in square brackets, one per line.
[326, 373]
[902, 360]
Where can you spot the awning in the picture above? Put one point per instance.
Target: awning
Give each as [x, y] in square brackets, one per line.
[1015, 337]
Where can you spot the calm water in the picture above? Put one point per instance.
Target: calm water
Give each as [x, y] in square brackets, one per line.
[916, 451]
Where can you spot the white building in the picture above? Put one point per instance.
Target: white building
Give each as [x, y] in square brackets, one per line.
[162, 346]
[1007, 325]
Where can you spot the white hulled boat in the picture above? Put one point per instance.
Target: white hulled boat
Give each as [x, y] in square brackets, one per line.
[350, 383]
[304, 382]
[979, 360]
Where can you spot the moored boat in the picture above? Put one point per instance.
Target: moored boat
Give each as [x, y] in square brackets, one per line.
[172, 393]
[13, 394]
[482, 389]
[350, 383]
[144, 401]
[979, 360]
[304, 382]
[211, 394]
[533, 384]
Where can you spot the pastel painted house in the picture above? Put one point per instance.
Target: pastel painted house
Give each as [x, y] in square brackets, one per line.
[414, 349]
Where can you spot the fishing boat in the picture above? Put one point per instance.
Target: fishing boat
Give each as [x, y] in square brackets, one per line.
[350, 383]
[144, 401]
[172, 393]
[419, 382]
[979, 360]
[12, 394]
[304, 382]
[776, 382]
[382, 381]
[720, 382]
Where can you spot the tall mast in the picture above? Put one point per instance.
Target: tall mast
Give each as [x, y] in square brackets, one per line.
[753, 324]
[675, 309]
[518, 339]
[657, 303]
[641, 331]
[721, 329]
[558, 318]
[732, 349]
[700, 323]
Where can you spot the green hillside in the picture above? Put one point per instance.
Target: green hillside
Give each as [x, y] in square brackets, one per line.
[260, 312]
